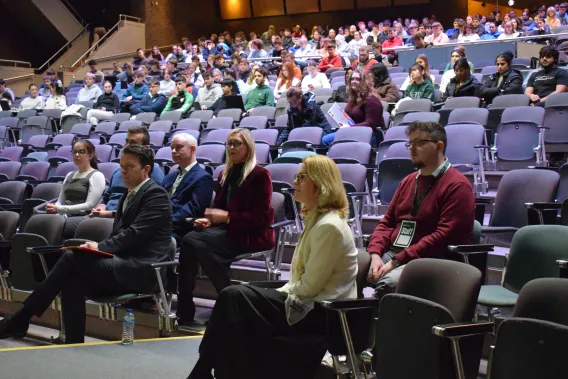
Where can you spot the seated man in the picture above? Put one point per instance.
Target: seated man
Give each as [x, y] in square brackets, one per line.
[303, 111]
[430, 210]
[364, 62]
[140, 59]
[180, 100]
[262, 94]
[99, 76]
[332, 60]
[227, 86]
[91, 91]
[190, 187]
[211, 91]
[550, 79]
[135, 92]
[137, 135]
[127, 74]
[153, 102]
[141, 235]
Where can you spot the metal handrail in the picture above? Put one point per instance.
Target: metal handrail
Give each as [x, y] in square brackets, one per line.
[103, 38]
[74, 11]
[479, 42]
[16, 62]
[67, 45]
[18, 77]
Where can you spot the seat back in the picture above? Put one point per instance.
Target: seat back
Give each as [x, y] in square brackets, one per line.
[123, 127]
[556, 110]
[104, 153]
[283, 172]
[82, 129]
[358, 152]
[262, 151]
[518, 187]
[311, 134]
[173, 116]
[8, 224]
[354, 135]
[46, 191]
[189, 124]
[146, 117]
[544, 299]
[210, 153]
[108, 168]
[162, 126]
[468, 116]
[391, 172]
[38, 170]
[355, 174]
[462, 139]
[533, 254]
[94, 229]
[234, 113]
[269, 112]
[420, 116]
[216, 136]
[254, 122]
[268, 136]
[120, 117]
[13, 153]
[517, 140]
[507, 101]
[14, 191]
[10, 170]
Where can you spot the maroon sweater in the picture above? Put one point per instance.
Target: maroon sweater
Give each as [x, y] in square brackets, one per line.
[444, 218]
[368, 113]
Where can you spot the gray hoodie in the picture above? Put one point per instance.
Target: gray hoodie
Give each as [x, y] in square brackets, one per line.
[89, 93]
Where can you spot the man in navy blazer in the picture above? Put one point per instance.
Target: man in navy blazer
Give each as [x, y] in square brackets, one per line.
[190, 186]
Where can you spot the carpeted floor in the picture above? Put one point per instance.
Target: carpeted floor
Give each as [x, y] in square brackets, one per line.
[163, 358]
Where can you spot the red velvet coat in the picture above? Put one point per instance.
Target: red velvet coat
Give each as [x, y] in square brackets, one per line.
[250, 210]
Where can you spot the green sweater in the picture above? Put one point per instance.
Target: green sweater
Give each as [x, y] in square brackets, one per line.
[260, 97]
[178, 103]
[424, 90]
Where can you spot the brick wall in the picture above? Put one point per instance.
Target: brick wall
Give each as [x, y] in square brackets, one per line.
[158, 16]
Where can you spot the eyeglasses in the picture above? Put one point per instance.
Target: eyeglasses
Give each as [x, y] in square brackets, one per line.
[80, 152]
[233, 144]
[418, 142]
[299, 177]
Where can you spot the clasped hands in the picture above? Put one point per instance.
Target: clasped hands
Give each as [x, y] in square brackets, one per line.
[213, 216]
[378, 269]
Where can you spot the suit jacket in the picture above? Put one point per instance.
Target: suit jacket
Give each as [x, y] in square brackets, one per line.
[250, 210]
[192, 196]
[141, 235]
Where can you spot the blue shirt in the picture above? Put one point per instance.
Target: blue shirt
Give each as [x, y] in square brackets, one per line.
[116, 187]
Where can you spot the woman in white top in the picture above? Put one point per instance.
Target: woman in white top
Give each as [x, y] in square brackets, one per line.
[469, 35]
[57, 100]
[356, 43]
[341, 45]
[506, 19]
[288, 80]
[34, 101]
[508, 33]
[314, 79]
[195, 52]
[81, 190]
[286, 324]
[167, 85]
[422, 60]
[459, 52]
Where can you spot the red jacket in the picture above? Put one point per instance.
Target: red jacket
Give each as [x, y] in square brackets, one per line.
[250, 212]
[335, 61]
[368, 65]
[444, 218]
[394, 43]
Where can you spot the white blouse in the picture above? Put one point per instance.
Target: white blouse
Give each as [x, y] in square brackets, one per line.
[279, 91]
[56, 102]
[319, 81]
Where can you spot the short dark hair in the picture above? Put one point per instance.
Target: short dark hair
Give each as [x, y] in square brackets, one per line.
[32, 85]
[549, 52]
[154, 82]
[227, 82]
[141, 130]
[2, 82]
[434, 130]
[262, 71]
[180, 78]
[206, 75]
[91, 150]
[145, 155]
[92, 62]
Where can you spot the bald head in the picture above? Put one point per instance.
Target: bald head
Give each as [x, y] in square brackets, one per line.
[183, 149]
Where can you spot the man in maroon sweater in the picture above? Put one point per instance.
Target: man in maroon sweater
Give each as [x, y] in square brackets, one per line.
[332, 59]
[431, 209]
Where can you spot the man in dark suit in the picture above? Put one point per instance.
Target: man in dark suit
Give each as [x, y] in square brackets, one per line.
[190, 187]
[141, 235]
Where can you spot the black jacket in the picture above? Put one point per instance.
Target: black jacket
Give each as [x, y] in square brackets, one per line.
[469, 88]
[110, 102]
[141, 235]
[339, 95]
[512, 83]
[310, 115]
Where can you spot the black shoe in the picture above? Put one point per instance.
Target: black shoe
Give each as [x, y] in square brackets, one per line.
[14, 327]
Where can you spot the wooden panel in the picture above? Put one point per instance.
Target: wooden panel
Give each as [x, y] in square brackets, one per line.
[234, 9]
[410, 2]
[373, 3]
[263, 8]
[335, 5]
[301, 6]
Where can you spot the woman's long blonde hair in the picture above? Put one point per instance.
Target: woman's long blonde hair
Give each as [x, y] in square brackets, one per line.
[327, 178]
[250, 160]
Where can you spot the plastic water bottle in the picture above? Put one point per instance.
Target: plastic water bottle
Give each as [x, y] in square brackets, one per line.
[128, 328]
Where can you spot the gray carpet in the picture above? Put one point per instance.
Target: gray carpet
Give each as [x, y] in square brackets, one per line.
[165, 358]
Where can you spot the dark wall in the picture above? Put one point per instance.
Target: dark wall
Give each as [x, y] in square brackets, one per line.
[105, 13]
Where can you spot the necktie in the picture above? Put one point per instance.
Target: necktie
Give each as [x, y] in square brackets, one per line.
[177, 182]
[129, 198]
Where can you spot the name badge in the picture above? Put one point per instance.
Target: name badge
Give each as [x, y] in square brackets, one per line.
[405, 234]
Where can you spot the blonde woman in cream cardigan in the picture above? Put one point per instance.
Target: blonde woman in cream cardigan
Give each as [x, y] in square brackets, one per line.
[252, 327]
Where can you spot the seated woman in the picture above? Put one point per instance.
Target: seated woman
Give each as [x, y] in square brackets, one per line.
[314, 79]
[238, 222]
[464, 84]
[422, 60]
[105, 107]
[386, 89]
[81, 190]
[287, 81]
[287, 324]
[57, 100]
[508, 31]
[364, 106]
[420, 86]
[505, 81]
[34, 101]
[469, 36]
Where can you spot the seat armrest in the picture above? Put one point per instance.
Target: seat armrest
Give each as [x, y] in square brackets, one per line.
[278, 225]
[164, 264]
[543, 206]
[52, 146]
[482, 201]
[41, 250]
[471, 249]
[268, 283]
[462, 329]
[350, 304]
[357, 194]
[481, 146]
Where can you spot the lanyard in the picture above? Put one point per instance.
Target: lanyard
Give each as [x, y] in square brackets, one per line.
[418, 200]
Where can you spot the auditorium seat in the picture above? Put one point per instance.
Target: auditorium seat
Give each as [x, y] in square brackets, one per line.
[302, 139]
[350, 152]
